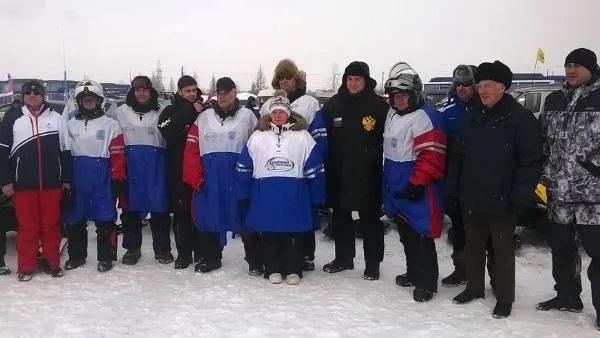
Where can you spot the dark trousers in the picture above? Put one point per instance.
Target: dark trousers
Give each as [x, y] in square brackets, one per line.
[308, 245]
[253, 248]
[187, 240]
[459, 242]
[566, 262]
[106, 239]
[372, 230]
[282, 253]
[480, 227]
[2, 246]
[160, 225]
[210, 245]
[421, 256]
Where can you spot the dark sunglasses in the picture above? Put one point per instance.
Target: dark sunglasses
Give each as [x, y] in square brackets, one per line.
[34, 92]
[464, 84]
[286, 78]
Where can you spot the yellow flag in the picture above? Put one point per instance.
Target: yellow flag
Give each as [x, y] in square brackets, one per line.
[540, 56]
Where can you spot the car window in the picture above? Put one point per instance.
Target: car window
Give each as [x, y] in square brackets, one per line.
[533, 102]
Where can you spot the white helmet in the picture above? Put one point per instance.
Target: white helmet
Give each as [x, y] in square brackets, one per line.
[89, 87]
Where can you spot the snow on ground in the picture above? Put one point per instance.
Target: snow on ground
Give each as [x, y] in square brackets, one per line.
[153, 300]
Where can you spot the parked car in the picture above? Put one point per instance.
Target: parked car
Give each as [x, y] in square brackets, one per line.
[533, 98]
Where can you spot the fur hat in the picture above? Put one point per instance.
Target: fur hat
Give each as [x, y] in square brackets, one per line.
[497, 71]
[288, 68]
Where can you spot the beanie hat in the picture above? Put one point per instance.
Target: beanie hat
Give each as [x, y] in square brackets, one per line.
[225, 84]
[497, 71]
[584, 57]
[282, 103]
[359, 68]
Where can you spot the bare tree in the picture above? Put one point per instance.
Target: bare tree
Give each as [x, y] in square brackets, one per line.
[195, 76]
[157, 78]
[335, 77]
[172, 87]
[259, 82]
[212, 86]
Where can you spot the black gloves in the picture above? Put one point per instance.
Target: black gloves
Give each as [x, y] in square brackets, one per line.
[117, 188]
[67, 200]
[411, 192]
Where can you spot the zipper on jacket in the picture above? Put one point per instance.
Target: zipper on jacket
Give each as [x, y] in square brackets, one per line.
[17, 170]
[36, 133]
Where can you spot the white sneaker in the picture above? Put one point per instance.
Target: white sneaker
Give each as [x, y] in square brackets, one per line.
[275, 278]
[292, 279]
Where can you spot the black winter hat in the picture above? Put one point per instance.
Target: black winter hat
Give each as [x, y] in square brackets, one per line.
[225, 84]
[359, 68]
[584, 57]
[497, 71]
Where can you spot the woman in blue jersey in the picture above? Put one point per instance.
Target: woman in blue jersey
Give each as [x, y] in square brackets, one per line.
[283, 169]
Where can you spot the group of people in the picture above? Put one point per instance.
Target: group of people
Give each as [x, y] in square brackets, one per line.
[223, 167]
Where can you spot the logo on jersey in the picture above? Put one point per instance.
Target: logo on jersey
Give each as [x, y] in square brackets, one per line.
[279, 164]
[368, 123]
[337, 122]
[210, 136]
[232, 135]
[100, 135]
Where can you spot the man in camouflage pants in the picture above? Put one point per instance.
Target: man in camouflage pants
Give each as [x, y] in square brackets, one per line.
[571, 128]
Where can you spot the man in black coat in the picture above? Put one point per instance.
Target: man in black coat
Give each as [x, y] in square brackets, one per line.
[354, 119]
[173, 123]
[492, 175]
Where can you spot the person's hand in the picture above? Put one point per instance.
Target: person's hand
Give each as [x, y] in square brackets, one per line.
[412, 192]
[8, 190]
[198, 106]
[66, 186]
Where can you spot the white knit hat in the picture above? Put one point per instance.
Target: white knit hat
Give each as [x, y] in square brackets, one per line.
[280, 102]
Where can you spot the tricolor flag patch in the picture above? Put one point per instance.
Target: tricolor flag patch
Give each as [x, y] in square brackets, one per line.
[337, 122]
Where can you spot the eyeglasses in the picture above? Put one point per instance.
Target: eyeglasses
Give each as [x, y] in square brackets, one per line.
[34, 92]
[464, 84]
[286, 78]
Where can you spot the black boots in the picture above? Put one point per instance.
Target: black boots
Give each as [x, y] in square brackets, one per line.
[404, 281]
[208, 266]
[421, 295]
[371, 271]
[560, 304]
[338, 265]
[466, 297]
[131, 257]
[502, 310]
[459, 275]
[182, 262]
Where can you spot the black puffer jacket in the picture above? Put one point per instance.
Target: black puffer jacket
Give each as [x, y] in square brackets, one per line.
[354, 166]
[174, 123]
[497, 158]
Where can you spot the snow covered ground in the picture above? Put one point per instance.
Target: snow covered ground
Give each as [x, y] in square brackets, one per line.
[152, 300]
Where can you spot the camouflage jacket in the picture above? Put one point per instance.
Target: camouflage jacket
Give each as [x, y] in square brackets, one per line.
[571, 129]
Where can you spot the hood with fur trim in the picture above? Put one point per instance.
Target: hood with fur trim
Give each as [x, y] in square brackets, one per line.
[299, 122]
[287, 67]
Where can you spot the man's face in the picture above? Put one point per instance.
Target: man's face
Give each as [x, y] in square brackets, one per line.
[279, 117]
[225, 99]
[355, 84]
[490, 92]
[577, 74]
[33, 99]
[142, 95]
[89, 102]
[190, 93]
[401, 100]
[287, 83]
[464, 91]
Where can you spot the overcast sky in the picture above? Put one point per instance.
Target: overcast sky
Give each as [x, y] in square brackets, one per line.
[105, 39]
